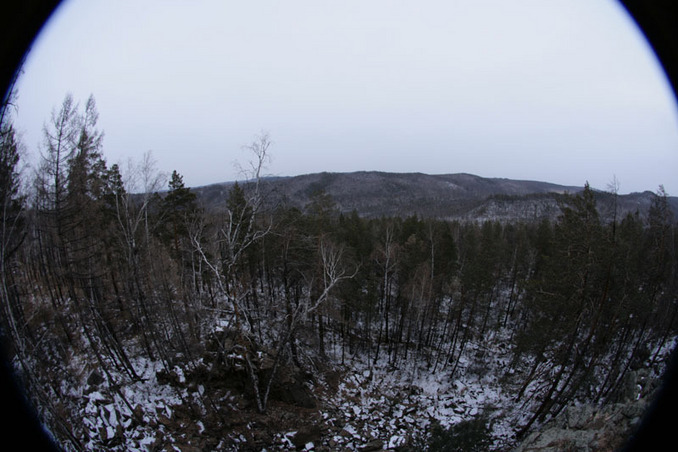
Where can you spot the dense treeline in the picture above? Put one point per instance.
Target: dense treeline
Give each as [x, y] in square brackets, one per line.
[101, 265]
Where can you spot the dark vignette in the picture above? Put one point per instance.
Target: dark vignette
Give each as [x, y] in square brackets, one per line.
[23, 19]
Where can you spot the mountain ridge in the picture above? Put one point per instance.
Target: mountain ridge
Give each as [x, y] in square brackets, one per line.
[453, 196]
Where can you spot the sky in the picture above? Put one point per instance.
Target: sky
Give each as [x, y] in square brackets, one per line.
[563, 91]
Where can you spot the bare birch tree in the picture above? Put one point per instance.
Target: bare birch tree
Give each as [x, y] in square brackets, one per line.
[332, 272]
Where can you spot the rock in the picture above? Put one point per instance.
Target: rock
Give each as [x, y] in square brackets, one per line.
[371, 446]
[349, 431]
[138, 413]
[578, 417]
[396, 441]
[294, 393]
[307, 434]
[634, 410]
[586, 428]
[188, 448]
[95, 379]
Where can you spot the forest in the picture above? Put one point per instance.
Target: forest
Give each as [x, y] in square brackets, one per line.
[250, 316]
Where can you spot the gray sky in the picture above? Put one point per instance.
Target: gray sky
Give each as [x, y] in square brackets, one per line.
[563, 91]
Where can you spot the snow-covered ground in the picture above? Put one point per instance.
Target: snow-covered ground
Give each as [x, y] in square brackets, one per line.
[134, 416]
[372, 406]
[398, 406]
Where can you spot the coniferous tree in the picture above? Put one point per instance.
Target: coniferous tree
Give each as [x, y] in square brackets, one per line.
[11, 200]
[179, 211]
[12, 235]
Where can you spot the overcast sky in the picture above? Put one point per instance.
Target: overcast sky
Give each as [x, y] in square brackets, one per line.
[562, 91]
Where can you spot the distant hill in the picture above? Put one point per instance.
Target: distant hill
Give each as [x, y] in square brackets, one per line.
[446, 196]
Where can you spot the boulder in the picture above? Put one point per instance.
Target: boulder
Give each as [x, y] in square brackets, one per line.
[307, 434]
[95, 379]
[372, 446]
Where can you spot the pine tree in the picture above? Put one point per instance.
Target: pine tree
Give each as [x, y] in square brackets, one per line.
[12, 235]
[11, 201]
[178, 208]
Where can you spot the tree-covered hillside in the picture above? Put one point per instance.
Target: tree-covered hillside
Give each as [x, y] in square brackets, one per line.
[461, 197]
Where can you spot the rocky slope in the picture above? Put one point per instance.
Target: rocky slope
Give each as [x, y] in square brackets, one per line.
[590, 427]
